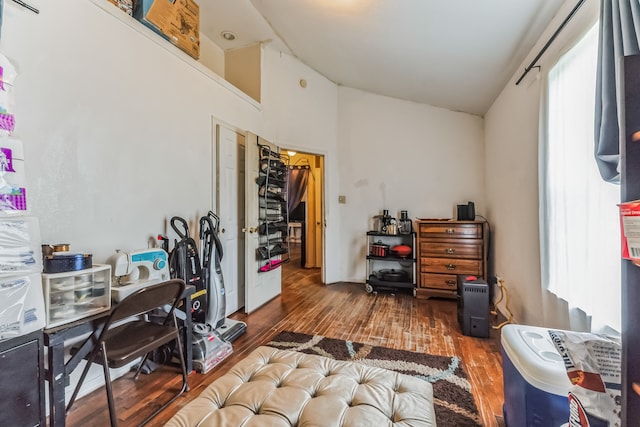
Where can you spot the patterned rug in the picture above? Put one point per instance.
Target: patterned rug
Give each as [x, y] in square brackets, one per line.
[453, 401]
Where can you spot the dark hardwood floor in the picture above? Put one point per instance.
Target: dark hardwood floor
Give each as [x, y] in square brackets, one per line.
[342, 310]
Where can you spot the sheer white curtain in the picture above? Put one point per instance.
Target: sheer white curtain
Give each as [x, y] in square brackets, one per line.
[580, 237]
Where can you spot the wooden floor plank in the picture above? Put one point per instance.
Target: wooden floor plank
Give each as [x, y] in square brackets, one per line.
[342, 310]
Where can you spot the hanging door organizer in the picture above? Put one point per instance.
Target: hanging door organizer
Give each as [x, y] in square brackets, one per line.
[273, 248]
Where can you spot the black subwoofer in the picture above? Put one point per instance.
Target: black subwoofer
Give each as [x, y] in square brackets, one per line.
[473, 306]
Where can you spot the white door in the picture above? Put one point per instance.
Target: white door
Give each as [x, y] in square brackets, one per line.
[230, 197]
[260, 286]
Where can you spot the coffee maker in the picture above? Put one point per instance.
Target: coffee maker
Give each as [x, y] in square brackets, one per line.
[404, 223]
[383, 222]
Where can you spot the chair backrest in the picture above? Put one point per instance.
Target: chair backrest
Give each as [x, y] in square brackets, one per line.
[146, 299]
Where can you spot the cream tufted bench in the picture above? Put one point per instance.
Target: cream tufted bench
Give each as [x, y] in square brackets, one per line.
[272, 388]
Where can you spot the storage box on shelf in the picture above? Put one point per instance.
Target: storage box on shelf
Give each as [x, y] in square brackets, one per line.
[178, 22]
[447, 249]
[388, 268]
[75, 295]
[21, 301]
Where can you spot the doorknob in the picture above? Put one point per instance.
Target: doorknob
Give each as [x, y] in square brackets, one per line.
[244, 230]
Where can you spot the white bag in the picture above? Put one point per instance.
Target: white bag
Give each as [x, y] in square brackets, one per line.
[593, 364]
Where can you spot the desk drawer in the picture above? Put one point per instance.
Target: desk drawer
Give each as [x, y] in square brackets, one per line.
[450, 266]
[471, 250]
[438, 281]
[448, 230]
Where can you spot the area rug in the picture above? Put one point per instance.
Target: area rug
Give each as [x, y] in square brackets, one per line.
[453, 401]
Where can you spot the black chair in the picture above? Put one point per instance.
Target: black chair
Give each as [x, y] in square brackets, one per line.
[128, 334]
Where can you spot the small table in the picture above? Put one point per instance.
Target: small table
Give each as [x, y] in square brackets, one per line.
[295, 232]
[58, 372]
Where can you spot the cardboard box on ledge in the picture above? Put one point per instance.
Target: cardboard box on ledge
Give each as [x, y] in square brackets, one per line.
[124, 5]
[176, 20]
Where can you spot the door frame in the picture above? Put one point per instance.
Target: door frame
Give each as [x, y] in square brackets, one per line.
[323, 202]
[215, 121]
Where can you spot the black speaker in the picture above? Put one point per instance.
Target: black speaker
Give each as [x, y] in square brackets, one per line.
[473, 306]
[467, 212]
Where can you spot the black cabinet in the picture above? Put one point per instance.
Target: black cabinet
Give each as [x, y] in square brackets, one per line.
[391, 261]
[22, 381]
[630, 183]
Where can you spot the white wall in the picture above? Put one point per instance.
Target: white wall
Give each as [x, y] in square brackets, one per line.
[211, 55]
[400, 155]
[305, 119]
[116, 123]
[511, 138]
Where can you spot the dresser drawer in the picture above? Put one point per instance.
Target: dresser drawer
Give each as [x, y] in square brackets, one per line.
[438, 281]
[448, 230]
[451, 266]
[470, 250]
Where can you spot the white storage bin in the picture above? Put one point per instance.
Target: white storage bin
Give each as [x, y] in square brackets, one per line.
[20, 247]
[75, 295]
[21, 305]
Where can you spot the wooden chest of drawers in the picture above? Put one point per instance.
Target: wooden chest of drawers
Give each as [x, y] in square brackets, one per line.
[447, 249]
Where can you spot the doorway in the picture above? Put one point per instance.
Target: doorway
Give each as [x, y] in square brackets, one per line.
[306, 209]
[234, 172]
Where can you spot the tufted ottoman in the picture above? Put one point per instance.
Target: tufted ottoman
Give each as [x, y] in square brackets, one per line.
[272, 388]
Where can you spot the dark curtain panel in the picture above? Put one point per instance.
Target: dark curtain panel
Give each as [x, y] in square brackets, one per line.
[619, 35]
[298, 178]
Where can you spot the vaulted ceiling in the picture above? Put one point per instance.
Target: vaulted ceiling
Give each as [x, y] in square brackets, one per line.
[454, 54]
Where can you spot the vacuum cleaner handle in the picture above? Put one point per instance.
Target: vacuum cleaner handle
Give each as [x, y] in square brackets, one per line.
[184, 233]
[206, 237]
[215, 220]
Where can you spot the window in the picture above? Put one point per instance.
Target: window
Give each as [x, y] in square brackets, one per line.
[580, 238]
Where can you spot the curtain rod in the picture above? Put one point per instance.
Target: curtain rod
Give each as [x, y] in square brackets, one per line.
[553, 37]
[26, 6]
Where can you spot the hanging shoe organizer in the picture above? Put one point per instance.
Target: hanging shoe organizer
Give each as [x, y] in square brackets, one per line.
[273, 249]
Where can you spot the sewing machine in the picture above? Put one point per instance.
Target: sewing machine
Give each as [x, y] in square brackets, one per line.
[133, 270]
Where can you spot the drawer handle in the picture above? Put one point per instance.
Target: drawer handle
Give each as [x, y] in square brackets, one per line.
[451, 282]
[450, 230]
[451, 266]
[450, 251]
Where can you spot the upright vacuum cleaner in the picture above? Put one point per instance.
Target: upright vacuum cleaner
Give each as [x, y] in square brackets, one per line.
[184, 263]
[211, 254]
[208, 346]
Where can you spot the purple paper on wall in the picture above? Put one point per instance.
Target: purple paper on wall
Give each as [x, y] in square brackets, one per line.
[6, 160]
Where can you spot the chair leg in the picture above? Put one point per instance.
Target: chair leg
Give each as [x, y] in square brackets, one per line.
[90, 360]
[140, 366]
[185, 382]
[107, 384]
[183, 365]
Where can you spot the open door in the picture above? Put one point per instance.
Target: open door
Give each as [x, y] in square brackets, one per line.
[230, 209]
[261, 286]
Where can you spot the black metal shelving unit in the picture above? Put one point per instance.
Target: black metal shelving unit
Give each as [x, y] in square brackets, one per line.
[376, 263]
